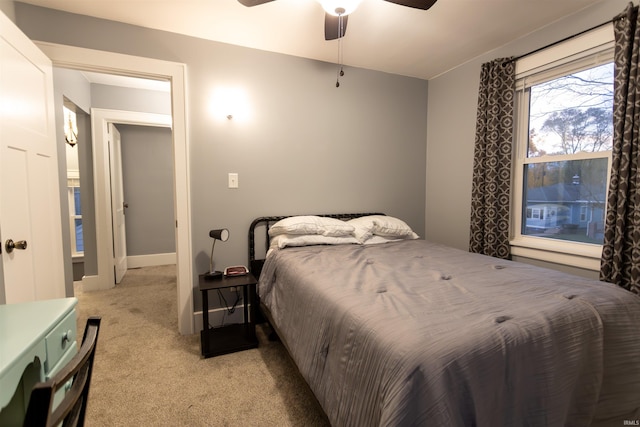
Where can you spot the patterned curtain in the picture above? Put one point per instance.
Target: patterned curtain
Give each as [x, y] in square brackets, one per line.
[621, 248]
[490, 191]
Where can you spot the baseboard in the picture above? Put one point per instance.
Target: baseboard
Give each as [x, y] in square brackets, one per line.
[137, 261]
[92, 283]
[216, 317]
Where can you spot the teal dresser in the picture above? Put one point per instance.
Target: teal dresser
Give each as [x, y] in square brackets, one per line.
[36, 340]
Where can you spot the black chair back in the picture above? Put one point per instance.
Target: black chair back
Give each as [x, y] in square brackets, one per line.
[72, 409]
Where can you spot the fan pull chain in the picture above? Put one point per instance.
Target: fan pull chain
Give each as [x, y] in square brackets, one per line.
[340, 33]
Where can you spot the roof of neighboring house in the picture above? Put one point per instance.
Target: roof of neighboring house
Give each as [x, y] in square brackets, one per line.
[566, 193]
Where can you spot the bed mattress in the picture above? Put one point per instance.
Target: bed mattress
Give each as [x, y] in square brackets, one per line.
[416, 333]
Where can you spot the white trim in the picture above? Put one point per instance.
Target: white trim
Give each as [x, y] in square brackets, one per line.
[216, 316]
[601, 38]
[582, 261]
[136, 261]
[120, 64]
[576, 254]
[90, 283]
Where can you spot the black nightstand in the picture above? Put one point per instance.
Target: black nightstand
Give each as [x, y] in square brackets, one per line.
[235, 337]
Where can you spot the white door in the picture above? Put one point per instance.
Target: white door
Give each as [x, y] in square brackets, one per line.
[29, 189]
[117, 204]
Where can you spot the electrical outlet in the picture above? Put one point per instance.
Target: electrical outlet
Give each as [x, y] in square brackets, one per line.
[233, 180]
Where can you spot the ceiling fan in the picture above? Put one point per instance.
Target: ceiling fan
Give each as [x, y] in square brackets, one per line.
[337, 11]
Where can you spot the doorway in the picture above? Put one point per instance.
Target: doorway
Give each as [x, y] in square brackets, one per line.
[108, 62]
[147, 160]
[139, 162]
[101, 120]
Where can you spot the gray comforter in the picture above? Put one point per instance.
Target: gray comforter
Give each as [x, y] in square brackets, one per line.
[414, 333]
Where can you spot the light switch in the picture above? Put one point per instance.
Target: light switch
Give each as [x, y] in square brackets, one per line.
[233, 180]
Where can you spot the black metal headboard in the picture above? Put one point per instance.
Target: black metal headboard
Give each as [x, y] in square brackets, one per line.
[255, 265]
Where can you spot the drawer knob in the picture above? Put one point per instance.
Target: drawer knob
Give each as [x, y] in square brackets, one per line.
[66, 337]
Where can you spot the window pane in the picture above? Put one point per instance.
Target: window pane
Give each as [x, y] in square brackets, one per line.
[76, 200]
[566, 200]
[79, 236]
[572, 114]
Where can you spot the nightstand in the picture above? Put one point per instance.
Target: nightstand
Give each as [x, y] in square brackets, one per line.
[234, 337]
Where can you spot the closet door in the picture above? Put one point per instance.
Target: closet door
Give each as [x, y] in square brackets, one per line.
[30, 222]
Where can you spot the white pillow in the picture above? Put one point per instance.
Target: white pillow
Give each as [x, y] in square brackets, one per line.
[283, 240]
[313, 225]
[363, 228]
[381, 225]
[389, 226]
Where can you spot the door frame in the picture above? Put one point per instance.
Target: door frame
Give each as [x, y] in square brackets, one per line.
[78, 58]
[100, 119]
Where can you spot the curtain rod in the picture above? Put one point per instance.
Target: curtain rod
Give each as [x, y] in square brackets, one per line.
[564, 39]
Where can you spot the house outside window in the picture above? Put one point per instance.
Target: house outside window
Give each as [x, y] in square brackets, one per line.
[564, 135]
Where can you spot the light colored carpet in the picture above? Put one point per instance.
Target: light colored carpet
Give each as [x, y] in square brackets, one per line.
[147, 374]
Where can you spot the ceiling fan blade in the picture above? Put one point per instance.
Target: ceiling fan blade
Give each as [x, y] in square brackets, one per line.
[250, 3]
[331, 26]
[417, 4]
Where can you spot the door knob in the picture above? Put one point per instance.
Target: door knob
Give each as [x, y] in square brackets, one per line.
[10, 245]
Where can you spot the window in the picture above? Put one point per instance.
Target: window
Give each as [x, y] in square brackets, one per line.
[75, 216]
[564, 106]
[583, 213]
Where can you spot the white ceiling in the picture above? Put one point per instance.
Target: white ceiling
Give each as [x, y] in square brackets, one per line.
[380, 35]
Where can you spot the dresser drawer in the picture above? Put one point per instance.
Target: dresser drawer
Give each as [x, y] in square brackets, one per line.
[60, 340]
[66, 358]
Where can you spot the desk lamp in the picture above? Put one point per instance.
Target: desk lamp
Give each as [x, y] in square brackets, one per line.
[221, 234]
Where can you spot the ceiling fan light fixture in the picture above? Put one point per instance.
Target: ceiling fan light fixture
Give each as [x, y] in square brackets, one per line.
[339, 7]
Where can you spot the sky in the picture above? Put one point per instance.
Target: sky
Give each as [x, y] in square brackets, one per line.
[583, 89]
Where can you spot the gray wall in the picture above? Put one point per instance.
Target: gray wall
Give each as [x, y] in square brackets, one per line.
[452, 104]
[6, 6]
[309, 148]
[147, 171]
[130, 99]
[73, 86]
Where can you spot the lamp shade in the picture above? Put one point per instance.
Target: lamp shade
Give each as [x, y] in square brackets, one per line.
[221, 234]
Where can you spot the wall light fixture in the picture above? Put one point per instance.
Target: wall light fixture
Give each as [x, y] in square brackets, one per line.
[230, 102]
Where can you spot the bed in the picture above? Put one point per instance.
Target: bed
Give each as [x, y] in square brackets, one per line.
[393, 330]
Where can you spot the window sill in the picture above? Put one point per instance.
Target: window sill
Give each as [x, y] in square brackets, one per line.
[571, 254]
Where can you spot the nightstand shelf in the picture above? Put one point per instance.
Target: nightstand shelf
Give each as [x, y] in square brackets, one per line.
[234, 337]
[227, 339]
